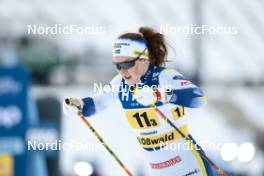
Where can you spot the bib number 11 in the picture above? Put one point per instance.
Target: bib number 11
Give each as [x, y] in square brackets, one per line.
[143, 117]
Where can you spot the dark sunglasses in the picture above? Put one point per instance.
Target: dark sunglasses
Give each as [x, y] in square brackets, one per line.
[128, 64]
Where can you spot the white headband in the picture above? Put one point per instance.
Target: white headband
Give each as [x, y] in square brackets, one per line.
[130, 48]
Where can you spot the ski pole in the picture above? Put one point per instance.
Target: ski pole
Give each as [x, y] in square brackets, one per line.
[187, 139]
[102, 141]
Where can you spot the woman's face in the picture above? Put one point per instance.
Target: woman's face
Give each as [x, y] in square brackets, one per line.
[133, 74]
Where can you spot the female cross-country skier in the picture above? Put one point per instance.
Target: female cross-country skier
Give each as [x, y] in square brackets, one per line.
[141, 82]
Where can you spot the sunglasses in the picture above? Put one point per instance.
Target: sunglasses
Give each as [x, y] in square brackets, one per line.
[128, 64]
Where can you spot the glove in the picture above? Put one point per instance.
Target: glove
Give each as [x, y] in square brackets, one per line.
[72, 106]
[148, 96]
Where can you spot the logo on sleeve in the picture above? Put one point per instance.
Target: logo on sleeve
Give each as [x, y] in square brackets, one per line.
[185, 83]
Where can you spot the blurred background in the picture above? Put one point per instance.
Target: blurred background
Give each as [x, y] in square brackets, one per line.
[50, 50]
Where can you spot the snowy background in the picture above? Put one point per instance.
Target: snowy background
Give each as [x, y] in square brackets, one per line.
[229, 67]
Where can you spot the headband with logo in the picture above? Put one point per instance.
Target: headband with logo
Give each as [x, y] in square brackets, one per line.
[130, 48]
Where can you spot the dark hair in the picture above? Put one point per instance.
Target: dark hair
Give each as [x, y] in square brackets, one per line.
[155, 43]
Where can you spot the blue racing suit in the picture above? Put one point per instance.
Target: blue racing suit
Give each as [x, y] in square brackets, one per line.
[162, 146]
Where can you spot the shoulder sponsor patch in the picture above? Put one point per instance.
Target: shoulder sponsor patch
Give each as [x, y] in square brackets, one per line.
[185, 83]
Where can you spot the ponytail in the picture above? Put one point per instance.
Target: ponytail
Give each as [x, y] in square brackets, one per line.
[156, 46]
